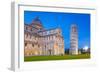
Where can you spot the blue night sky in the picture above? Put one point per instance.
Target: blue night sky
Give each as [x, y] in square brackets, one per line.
[64, 21]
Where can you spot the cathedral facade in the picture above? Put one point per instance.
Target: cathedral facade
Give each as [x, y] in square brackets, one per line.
[39, 41]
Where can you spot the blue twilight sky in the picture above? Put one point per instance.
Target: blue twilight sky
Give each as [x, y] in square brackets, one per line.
[64, 21]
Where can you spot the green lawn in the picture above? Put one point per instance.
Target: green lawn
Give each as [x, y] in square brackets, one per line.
[64, 57]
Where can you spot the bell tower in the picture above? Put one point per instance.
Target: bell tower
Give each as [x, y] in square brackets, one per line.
[74, 40]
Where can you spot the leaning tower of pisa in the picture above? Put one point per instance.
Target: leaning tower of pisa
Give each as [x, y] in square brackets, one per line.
[74, 40]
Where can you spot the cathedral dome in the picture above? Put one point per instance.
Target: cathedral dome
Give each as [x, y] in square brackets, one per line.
[36, 23]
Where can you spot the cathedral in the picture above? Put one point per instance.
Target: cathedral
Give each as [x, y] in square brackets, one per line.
[39, 41]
